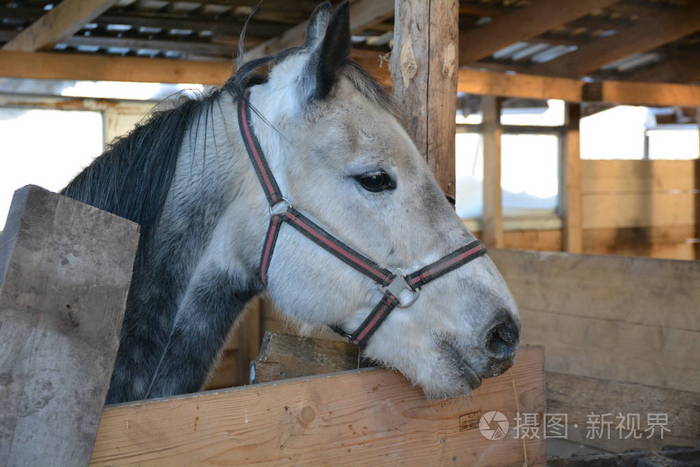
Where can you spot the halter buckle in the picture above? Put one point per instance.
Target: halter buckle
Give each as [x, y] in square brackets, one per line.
[398, 285]
[280, 207]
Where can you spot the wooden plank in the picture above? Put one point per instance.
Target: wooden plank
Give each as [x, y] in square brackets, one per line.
[493, 205]
[521, 24]
[621, 318]
[44, 65]
[363, 14]
[424, 75]
[600, 396]
[59, 23]
[283, 356]
[519, 85]
[65, 270]
[573, 212]
[666, 25]
[639, 209]
[679, 68]
[651, 94]
[640, 176]
[360, 417]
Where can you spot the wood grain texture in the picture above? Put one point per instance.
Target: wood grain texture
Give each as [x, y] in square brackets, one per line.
[573, 215]
[424, 65]
[493, 204]
[361, 417]
[45, 65]
[620, 318]
[59, 23]
[520, 24]
[65, 271]
[600, 396]
[284, 356]
[641, 176]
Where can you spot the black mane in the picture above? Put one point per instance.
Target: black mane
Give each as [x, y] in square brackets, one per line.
[132, 177]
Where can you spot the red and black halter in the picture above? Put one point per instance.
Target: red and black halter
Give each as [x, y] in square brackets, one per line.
[392, 283]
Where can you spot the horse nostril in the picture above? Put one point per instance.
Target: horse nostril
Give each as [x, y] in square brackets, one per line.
[502, 338]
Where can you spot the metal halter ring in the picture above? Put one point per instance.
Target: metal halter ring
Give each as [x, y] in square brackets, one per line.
[398, 285]
[277, 208]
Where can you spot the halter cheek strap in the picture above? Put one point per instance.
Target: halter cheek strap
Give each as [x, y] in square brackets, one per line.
[392, 283]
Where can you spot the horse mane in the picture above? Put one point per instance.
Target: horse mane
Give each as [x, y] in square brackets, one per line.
[133, 176]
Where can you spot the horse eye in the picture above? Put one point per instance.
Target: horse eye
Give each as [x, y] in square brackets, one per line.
[376, 181]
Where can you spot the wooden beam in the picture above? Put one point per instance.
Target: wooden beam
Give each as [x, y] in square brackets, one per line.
[648, 33]
[651, 94]
[492, 216]
[424, 72]
[519, 85]
[520, 24]
[363, 14]
[45, 65]
[680, 68]
[360, 417]
[573, 223]
[63, 21]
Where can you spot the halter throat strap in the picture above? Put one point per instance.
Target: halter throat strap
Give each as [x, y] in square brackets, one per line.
[393, 283]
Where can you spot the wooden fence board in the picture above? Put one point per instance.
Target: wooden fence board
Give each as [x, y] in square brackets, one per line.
[639, 209]
[621, 318]
[360, 417]
[640, 176]
[600, 396]
[65, 269]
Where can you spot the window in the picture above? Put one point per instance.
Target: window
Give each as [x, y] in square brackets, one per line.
[634, 132]
[530, 159]
[45, 147]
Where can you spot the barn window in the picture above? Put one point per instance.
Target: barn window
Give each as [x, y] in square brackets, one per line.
[530, 157]
[635, 132]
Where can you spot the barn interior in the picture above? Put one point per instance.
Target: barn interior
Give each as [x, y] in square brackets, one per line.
[576, 130]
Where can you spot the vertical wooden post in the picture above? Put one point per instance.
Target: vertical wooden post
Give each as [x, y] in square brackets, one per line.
[493, 204]
[573, 223]
[424, 73]
[65, 270]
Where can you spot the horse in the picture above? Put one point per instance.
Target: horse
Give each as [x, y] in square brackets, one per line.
[337, 152]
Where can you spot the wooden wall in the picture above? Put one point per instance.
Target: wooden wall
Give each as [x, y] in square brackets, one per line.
[631, 208]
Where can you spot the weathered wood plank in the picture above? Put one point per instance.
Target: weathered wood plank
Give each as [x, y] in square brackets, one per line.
[493, 203]
[639, 209]
[61, 22]
[603, 396]
[361, 417]
[424, 75]
[284, 356]
[642, 176]
[621, 318]
[65, 269]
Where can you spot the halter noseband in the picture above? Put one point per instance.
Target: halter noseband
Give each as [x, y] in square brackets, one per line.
[392, 283]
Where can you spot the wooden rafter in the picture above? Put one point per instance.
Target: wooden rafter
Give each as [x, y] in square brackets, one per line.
[520, 24]
[363, 14]
[61, 22]
[680, 68]
[647, 34]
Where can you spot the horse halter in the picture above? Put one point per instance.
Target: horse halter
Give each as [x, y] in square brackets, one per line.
[391, 282]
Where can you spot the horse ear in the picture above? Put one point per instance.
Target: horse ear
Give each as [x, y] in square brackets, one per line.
[331, 54]
[318, 24]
